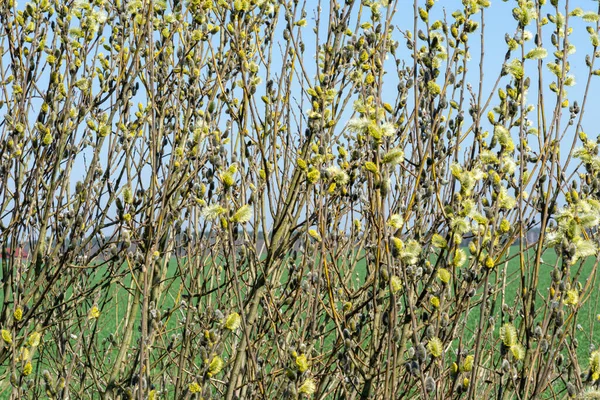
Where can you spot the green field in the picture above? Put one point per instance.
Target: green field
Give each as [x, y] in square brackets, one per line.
[587, 315]
[114, 300]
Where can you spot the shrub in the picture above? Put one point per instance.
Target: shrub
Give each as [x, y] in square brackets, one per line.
[260, 199]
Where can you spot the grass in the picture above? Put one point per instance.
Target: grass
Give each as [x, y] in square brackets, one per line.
[587, 312]
[113, 316]
[114, 313]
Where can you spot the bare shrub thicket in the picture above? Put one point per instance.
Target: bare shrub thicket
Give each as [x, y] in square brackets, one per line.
[271, 199]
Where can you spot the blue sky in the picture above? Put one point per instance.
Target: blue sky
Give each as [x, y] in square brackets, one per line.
[498, 22]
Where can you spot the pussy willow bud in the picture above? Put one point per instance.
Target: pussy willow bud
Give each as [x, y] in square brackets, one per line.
[430, 384]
